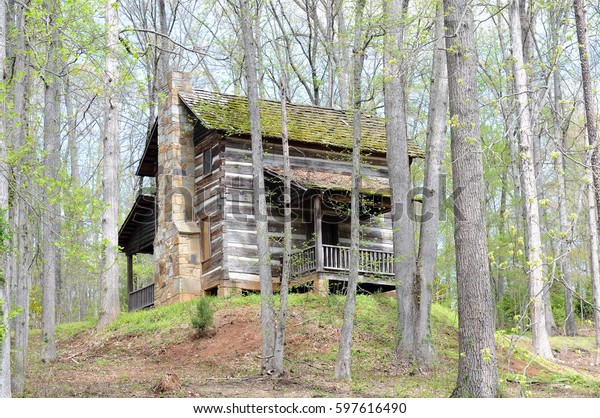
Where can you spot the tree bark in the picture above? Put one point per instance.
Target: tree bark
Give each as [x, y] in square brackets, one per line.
[287, 239]
[344, 356]
[407, 287]
[260, 203]
[110, 173]
[477, 364]
[592, 135]
[72, 135]
[5, 301]
[428, 238]
[564, 244]
[541, 342]
[595, 259]
[51, 165]
[163, 54]
[20, 254]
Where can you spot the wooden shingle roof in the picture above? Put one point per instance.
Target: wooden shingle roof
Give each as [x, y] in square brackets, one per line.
[311, 124]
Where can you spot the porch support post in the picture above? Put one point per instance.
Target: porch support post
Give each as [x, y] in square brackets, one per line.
[317, 211]
[129, 279]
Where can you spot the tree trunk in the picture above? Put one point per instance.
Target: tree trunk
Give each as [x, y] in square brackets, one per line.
[592, 134]
[428, 238]
[541, 342]
[564, 245]
[5, 302]
[287, 239]
[110, 307]
[163, 43]
[407, 287]
[343, 57]
[20, 254]
[72, 135]
[595, 258]
[500, 279]
[51, 165]
[342, 365]
[477, 369]
[260, 203]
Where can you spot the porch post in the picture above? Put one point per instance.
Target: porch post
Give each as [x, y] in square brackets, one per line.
[317, 213]
[129, 279]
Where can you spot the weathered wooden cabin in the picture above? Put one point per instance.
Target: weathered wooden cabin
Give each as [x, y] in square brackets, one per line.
[199, 224]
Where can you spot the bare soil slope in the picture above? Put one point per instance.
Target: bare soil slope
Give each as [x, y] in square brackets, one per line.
[131, 359]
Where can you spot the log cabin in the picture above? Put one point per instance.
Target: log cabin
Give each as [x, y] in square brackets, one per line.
[198, 220]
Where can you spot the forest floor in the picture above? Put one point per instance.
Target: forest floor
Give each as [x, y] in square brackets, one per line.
[132, 356]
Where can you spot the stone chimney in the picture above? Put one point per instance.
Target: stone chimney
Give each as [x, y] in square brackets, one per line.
[177, 271]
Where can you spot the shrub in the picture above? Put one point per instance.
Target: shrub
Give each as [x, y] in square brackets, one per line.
[203, 319]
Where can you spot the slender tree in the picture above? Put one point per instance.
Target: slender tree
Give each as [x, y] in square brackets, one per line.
[5, 386]
[287, 238]
[110, 168]
[428, 238]
[592, 137]
[21, 237]
[400, 182]
[51, 81]
[342, 365]
[477, 364]
[541, 342]
[260, 203]
[564, 244]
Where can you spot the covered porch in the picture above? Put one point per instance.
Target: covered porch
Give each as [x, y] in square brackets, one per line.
[324, 257]
[136, 236]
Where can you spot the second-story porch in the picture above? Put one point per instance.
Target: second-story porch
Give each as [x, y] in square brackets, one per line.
[322, 261]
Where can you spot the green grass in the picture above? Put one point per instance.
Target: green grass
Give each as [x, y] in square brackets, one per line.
[373, 367]
[73, 329]
[161, 320]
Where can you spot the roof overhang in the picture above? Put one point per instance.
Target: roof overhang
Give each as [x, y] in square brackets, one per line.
[335, 188]
[139, 224]
[148, 166]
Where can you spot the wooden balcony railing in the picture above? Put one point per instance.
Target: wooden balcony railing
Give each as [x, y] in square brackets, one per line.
[337, 258]
[303, 262]
[141, 298]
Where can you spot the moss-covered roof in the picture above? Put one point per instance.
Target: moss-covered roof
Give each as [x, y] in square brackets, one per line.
[310, 124]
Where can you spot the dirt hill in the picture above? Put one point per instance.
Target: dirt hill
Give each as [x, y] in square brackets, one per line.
[141, 350]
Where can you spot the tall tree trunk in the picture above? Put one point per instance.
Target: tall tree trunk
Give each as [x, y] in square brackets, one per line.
[595, 258]
[500, 279]
[407, 287]
[5, 302]
[343, 57]
[541, 342]
[260, 203]
[72, 135]
[527, 21]
[564, 243]
[428, 238]
[592, 134]
[344, 356]
[163, 54]
[477, 364]
[287, 238]
[51, 164]
[21, 277]
[110, 178]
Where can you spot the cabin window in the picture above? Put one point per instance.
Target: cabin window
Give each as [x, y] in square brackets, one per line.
[206, 242]
[207, 161]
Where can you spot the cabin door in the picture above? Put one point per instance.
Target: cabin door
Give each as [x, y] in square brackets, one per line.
[331, 233]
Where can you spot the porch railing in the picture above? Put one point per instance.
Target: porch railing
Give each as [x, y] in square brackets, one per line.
[141, 298]
[370, 261]
[303, 261]
[337, 258]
